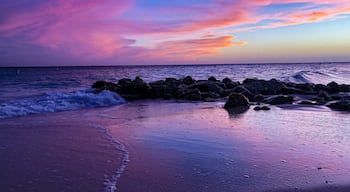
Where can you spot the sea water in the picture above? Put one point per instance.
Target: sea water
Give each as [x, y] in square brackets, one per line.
[25, 91]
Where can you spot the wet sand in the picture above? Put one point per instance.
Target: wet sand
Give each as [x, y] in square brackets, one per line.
[316, 189]
[201, 147]
[55, 152]
[177, 147]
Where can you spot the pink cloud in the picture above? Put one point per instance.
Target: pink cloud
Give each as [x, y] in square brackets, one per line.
[99, 29]
[81, 27]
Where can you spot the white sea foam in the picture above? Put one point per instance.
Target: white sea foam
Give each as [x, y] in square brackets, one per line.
[54, 102]
[111, 183]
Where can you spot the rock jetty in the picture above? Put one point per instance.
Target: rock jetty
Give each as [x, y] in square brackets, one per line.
[238, 94]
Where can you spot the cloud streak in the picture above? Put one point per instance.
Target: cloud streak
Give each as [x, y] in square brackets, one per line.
[93, 29]
[193, 48]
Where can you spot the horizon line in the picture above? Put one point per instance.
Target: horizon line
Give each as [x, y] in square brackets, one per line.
[159, 65]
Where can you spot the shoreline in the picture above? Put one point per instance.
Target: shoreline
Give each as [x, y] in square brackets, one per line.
[316, 189]
[178, 136]
[173, 146]
[173, 155]
[60, 151]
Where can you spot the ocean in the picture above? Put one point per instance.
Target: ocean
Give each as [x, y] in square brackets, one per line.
[57, 135]
[26, 91]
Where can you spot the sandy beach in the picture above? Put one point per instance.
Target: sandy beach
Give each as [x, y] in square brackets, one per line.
[55, 152]
[174, 146]
[201, 147]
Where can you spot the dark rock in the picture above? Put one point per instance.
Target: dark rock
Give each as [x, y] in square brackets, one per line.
[102, 85]
[157, 89]
[344, 88]
[249, 80]
[320, 87]
[336, 97]
[133, 89]
[263, 87]
[139, 86]
[113, 87]
[207, 86]
[229, 83]
[212, 78]
[258, 98]
[244, 91]
[333, 87]
[343, 105]
[226, 92]
[290, 84]
[236, 111]
[132, 97]
[227, 80]
[221, 84]
[124, 81]
[257, 108]
[305, 87]
[324, 95]
[237, 100]
[332, 84]
[188, 80]
[210, 95]
[168, 96]
[192, 95]
[279, 99]
[211, 89]
[208, 99]
[138, 80]
[289, 90]
[297, 90]
[126, 86]
[163, 89]
[99, 84]
[264, 108]
[171, 80]
[181, 90]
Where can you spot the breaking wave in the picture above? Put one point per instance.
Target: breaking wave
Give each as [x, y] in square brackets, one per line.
[55, 102]
[318, 77]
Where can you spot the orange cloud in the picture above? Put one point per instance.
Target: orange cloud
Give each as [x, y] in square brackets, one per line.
[193, 48]
[312, 12]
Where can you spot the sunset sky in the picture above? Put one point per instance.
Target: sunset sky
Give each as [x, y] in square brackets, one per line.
[137, 32]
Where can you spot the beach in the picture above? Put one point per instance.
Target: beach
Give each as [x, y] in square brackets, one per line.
[177, 146]
[201, 147]
[55, 152]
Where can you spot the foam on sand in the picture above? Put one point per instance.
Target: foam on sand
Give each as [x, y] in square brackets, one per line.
[111, 184]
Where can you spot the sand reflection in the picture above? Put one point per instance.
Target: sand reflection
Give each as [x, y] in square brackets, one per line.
[201, 146]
